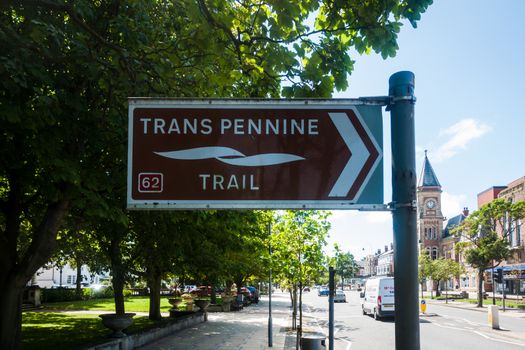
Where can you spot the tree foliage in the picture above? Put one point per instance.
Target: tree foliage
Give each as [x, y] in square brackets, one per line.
[345, 264]
[444, 269]
[425, 269]
[484, 236]
[68, 67]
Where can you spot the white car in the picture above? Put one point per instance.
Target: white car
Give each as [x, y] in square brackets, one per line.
[340, 296]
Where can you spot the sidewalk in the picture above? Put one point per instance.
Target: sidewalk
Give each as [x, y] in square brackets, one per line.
[246, 329]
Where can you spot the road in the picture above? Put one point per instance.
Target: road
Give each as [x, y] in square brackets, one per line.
[445, 327]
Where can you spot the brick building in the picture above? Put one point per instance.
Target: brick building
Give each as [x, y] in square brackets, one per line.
[514, 267]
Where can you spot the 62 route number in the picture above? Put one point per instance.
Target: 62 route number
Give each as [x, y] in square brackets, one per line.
[150, 182]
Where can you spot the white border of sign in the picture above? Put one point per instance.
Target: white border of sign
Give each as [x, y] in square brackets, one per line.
[137, 102]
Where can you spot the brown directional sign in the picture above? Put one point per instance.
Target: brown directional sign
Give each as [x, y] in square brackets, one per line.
[254, 154]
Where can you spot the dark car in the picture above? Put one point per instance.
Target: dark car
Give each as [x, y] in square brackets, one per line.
[254, 294]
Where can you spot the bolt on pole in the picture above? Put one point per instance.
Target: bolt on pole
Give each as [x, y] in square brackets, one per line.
[402, 100]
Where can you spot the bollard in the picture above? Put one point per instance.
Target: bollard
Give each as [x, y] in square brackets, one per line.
[493, 316]
[423, 306]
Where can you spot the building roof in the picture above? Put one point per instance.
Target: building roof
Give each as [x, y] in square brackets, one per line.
[451, 224]
[428, 177]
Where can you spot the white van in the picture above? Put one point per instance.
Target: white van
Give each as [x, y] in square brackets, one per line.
[378, 297]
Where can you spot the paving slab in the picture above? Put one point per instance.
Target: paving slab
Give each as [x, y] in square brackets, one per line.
[246, 329]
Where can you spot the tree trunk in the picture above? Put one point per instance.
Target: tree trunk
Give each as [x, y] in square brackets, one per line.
[154, 284]
[300, 333]
[480, 288]
[294, 318]
[16, 271]
[213, 296]
[11, 315]
[228, 290]
[117, 271]
[238, 282]
[79, 278]
[446, 291]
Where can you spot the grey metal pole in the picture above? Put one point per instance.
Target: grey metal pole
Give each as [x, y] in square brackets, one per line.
[270, 332]
[503, 285]
[331, 292]
[401, 92]
[493, 286]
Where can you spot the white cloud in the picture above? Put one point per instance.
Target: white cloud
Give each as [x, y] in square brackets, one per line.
[379, 217]
[452, 204]
[342, 214]
[359, 232]
[459, 135]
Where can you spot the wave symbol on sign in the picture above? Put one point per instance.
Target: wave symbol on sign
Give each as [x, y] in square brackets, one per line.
[231, 156]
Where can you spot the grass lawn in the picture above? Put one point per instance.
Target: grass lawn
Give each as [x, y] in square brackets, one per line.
[132, 304]
[53, 330]
[508, 302]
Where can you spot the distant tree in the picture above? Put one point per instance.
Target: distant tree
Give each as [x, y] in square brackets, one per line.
[444, 269]
[345, 264]
[425, 271]
[158, 243]
[484, 236]
[298, 238]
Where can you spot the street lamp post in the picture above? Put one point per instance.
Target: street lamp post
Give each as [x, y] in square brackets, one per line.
[270, 333]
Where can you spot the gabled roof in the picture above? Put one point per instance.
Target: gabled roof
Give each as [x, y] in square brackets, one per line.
[453, 223]
[428, 177]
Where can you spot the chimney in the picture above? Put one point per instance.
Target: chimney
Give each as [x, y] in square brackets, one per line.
[391, 246]
[465, 211]
[378, 251]
[386, 248]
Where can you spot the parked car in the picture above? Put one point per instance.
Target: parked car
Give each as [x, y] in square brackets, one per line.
[378, 297]
[306, 289]
[189, 287]
[340, 296]
[254, 294]
[247, 296]
[323, 292]
[201, 291]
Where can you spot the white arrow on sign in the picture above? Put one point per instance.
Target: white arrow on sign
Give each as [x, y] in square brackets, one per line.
[360, 155]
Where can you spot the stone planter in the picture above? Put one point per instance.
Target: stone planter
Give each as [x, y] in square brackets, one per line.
[189, 303]
[117, 323]
[175, 302]
[202, 304]
[226, 303]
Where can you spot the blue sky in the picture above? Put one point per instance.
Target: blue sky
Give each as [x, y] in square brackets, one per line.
[469, 61]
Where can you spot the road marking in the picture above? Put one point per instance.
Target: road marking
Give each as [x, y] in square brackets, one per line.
[478, 333]
[499, 340]
[349, 344]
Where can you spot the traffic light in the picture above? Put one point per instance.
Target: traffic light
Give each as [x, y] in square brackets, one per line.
[498, 276]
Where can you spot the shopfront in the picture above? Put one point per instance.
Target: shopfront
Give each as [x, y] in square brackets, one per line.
[514, 280]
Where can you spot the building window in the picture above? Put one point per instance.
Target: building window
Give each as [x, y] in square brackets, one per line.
[516, 229]
[434, 253]
[71, 279]
[464, 282]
